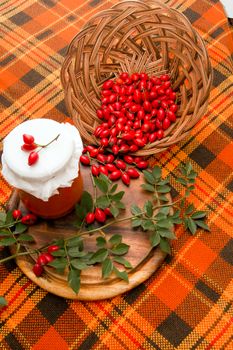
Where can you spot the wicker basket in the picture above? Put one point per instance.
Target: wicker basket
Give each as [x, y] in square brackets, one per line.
[138, 36]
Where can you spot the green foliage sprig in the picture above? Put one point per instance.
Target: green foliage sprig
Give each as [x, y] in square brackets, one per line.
[158, 216]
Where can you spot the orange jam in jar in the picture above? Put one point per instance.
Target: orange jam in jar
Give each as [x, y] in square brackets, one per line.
[52, 185]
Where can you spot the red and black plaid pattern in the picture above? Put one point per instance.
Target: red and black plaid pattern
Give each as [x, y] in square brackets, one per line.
[187, 304]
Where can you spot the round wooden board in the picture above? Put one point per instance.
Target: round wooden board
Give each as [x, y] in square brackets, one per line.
[144, 260]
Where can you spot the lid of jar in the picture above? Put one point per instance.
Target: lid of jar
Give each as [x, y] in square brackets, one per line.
[57, 165]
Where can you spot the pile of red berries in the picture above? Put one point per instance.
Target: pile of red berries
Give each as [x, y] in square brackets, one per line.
[112, 165]
[99, 215]
[135, 110]
[43, 259]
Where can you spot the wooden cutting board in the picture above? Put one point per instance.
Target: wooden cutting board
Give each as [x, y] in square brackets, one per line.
[144, 260]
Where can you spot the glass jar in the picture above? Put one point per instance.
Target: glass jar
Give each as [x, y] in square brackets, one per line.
[51, 186]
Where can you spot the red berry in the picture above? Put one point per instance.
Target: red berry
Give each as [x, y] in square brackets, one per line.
[103, 170]
[107, 84]
[101, 158]
[29, 219]
[104, 133]
[111, 167]
[152, 137]
[16, 214]
[128, 159]
[110, 158]
[160, 134]
[90, 218]
[135, 76]
[98, 131]
[104, 142]
[120, 164]
[100, 215]
[147, 106]
[53, 248]
[37, 269]
[139, 142]
[107, 212]
[133, 148]
[172, 95]
[94, 152]
[85, 160]
[125, 179]
[94, 170]
[115, 149]
[33, 158]
[166, 123]
[124, 75]
[44, 258]
[160, 114]
[115, 175]
[124, 148]
[133, 173]
[143, 164]
[99, 113]
[106, 92]
[29, 139]
[28, 147]
[171, 116]
[173, 108]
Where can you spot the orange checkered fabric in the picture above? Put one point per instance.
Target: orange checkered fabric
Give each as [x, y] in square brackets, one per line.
[187, 303]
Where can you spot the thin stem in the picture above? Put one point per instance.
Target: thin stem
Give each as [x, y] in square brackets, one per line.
[43, 146]
[15, 256]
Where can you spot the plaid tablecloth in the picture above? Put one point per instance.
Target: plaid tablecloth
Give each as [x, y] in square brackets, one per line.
[187, 303]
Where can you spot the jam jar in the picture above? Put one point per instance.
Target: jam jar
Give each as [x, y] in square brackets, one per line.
[52, 185]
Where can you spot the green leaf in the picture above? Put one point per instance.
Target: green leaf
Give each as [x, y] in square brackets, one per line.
[74, 252]
[163, 189]
[113, 188]
[102, 202]
[120, 205]
[101, 184]
[20, 228]
[198, 215]
[2, 216]
[115, 211]
[120, 249]
[148, 187]
[9, 218]
[59, 253]
[191, 226]
[86, 201]
[164, 182]
[7, 241]
[182, 181]
[123, 261]
[100, 241]
[78, 264]
[154, 239]
[148, 208]
[81, 213]
[149, 177]
[166, 233]
[105, 179]
[115, 239]
[202, 224]
[187, 193]
[192, 175]
[164, 245]
[59, 264]
[156, 171]
[3, 302]
[117, 196]
[75, 242]
[148, 225]
[25, 238]
[74, 280]
[163, 198]
[191, 188]
[135, 210]
[136, 222]
[164, 223]
[189, 209]
[99, 256]
[164, 210]
[5, 233]
[121, 274]
[188, 168]
[107, 267]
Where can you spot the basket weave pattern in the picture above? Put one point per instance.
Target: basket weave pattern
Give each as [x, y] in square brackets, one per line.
[140, 37]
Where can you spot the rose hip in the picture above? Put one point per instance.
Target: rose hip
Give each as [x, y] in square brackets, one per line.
[143, 164]
[100, 215]
[115, 175]
[29, 219]
[120, 164]
[95, 170]
[33, 158]
[53, 248]
[37, 269]
[133, 173]
[17, 214]
[85, 160]
[125, 179]
[90, 218]
[28, 139]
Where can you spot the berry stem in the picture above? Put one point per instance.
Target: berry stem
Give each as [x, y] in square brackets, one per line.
[47, 144]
